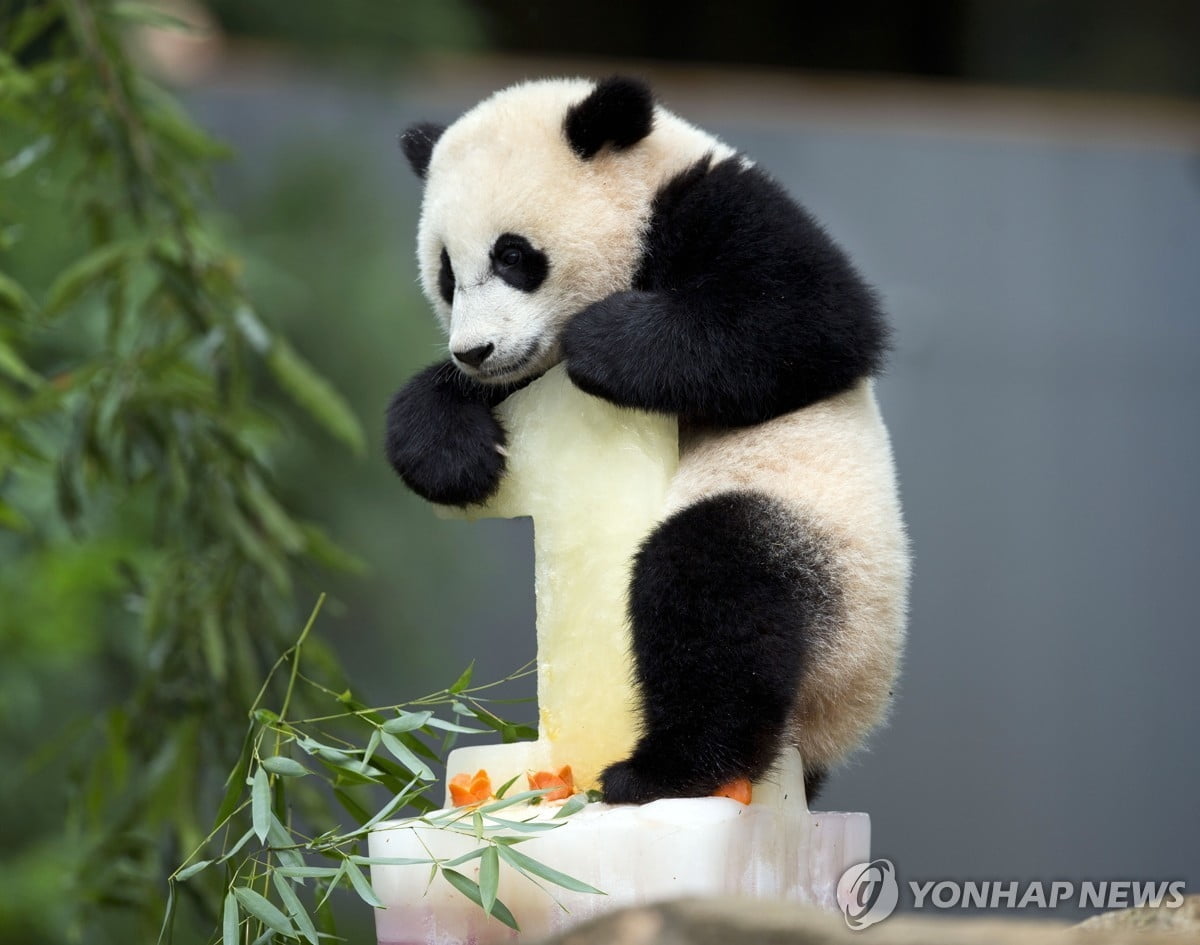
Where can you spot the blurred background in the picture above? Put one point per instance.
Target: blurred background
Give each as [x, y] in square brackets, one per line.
[1019, 180]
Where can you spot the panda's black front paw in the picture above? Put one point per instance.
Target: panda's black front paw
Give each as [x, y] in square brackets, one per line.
[638, 781]
[445, 445]
[610, 351]
[624, 783]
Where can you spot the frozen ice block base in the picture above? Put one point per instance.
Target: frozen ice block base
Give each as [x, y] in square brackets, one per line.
[771, 848]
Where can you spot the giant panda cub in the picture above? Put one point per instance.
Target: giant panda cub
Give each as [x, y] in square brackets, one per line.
[580, 222]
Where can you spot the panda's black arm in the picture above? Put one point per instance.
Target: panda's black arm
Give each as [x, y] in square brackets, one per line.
[743, 308]
[443, 439]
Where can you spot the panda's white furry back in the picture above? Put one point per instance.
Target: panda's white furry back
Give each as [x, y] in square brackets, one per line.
[579, 221]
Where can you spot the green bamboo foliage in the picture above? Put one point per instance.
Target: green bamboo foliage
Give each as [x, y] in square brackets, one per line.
[132, 431]
[278, 847]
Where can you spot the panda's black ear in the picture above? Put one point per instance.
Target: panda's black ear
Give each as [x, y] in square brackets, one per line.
[417, 144]
[618, 111]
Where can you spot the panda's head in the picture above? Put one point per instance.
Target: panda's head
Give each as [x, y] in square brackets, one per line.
[535, 204]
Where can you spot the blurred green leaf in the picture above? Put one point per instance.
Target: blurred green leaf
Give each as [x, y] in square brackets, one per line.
[12, 365]
[316, 395]
[26, 157]
[88, 272]
[14, 298]
[12, 519]
[145, 14]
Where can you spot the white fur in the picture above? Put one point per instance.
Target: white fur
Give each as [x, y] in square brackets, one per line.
[506, 166]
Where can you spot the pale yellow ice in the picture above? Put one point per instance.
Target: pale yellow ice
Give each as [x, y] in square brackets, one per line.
[594, 477]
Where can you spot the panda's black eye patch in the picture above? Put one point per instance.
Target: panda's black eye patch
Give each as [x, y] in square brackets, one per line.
[520, 265]
[446, 279]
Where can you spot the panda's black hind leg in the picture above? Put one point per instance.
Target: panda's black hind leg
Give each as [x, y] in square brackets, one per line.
[814, 783]
[725, 602]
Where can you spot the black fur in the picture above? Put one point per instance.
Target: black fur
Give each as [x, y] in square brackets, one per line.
[443, 439]
[417, 144]
[814, 781]
[742, 308]
[618, 111]
[529, 270]
[725, 604]
[446, 279]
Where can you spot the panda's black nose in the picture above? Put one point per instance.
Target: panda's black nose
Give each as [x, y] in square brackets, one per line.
[475, 356]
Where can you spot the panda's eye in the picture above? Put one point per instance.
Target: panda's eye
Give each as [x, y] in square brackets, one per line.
[515, 260]
[446, 278]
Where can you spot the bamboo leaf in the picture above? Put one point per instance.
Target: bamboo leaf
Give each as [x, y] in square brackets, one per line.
[372, 744]
[88, 271]
[192, 870]
[527, 864]
[12, 365]
[281, 843]
[470, 889]
[13, 296]
[316, 395]
[233, 851]
[230, 921]
[454, 727]
[524, 826]
[333, 883]
[519, 798]
[145, 14]
[405, 756]
[277, 522]
[361, 886]
[309, 872]
[260, 804]
[325, 551]
[573, 806]
[464, 680]
[489, 878]
[402, 797]
[26, 157]
[295, 907]
[465, 858]
[390, 860]
[287, 767]
[406, 722]
[167, 929]
[263, 910]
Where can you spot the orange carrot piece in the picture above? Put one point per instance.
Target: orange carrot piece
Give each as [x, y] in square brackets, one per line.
[561, 784]
[739, 789]
[467, 789]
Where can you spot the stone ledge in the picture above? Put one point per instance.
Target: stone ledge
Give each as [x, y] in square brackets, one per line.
[735, 921]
